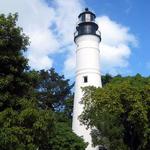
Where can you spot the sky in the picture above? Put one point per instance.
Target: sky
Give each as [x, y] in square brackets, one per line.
[50, 24]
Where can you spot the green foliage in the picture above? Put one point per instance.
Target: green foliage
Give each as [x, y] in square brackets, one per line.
[23, 124]
[29, 129]
[106, 79]
[53, 89]
[121, 113]
[11, 37]
[65, 139]
[54, 92]
[68, 109]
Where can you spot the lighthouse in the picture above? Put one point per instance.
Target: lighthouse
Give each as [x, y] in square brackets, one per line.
[87, 39]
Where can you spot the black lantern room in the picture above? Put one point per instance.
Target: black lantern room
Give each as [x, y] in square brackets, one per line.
[87, 25]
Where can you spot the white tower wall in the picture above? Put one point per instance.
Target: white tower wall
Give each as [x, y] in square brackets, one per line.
[87, 64]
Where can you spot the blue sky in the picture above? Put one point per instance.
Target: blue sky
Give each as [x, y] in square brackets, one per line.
[50, 24]
[135, 15]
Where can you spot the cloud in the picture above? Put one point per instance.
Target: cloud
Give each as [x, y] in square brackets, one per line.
[50, 26]
[36, 18]
[66, 12]
[39, 63]
[70, 63]
[116, 45]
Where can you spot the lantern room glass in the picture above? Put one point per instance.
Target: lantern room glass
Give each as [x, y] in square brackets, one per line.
[87, 17]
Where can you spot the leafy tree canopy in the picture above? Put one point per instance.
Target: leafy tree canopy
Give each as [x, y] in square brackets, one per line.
[106, 79]
[53, 89]
[121, 113]
[23, 124]
[65, 139]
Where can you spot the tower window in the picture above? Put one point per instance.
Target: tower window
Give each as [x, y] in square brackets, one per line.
[85, 79]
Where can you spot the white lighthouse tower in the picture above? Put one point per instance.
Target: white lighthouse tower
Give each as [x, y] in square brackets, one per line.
[87, 39]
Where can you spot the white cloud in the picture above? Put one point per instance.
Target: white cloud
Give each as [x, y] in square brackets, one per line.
[38, 62]
[115, 46]
[114, 33]
[66, 12]
[35, 17]
[51, 28]
[70, 63]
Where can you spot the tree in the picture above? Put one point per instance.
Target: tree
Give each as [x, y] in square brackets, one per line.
[106, 79]
[54, 92]
[53, 89]
[121, 117]
[22, 124]
[65, 139]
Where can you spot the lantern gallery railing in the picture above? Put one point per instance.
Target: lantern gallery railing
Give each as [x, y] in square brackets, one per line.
[98, 33]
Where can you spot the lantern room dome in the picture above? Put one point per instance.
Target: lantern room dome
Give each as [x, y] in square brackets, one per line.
[87, 16]
[86, 24]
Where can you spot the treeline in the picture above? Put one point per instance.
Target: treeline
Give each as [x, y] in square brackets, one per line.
[121, 117]
[36, 106]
